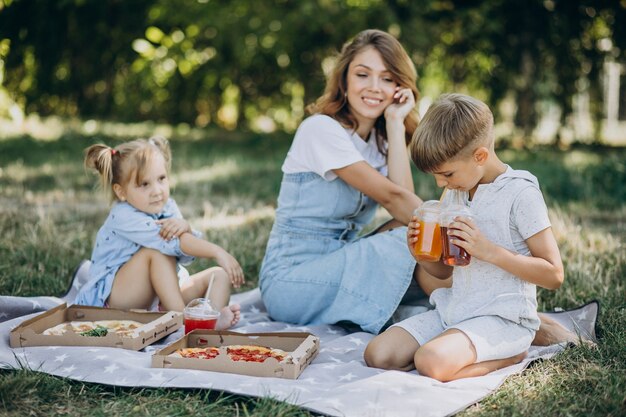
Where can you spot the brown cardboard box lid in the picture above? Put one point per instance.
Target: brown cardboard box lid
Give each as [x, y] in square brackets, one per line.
[302, 347]
[157, 325]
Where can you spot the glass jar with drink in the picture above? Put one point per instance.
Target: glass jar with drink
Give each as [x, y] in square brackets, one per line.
[428, 245]
[452, 254]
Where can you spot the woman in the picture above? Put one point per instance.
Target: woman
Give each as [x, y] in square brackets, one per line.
[345, 160]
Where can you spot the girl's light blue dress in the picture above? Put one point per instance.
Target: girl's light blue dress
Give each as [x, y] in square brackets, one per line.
[124, 232]
[315, 269]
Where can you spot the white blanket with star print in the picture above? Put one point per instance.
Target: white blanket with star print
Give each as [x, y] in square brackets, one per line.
[336, 383]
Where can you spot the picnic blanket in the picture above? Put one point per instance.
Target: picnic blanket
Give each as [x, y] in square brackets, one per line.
[336, 383]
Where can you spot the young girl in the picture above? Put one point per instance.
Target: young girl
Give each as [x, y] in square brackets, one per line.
[144, 239]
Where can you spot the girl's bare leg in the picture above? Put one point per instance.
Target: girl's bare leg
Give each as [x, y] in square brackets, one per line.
[199, 282]
[219, 296]
[393, 349]
[147, 274]
[451, 355]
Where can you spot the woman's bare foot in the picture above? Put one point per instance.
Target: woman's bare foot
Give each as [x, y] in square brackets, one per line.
[229, 316]
[550, 332]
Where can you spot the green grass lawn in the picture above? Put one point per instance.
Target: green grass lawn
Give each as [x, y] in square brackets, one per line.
[226, 185]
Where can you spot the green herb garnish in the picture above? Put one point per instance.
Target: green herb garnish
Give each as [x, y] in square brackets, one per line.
[99, 331]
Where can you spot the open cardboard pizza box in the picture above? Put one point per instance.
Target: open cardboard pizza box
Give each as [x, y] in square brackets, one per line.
[156, 326]
[301, 347]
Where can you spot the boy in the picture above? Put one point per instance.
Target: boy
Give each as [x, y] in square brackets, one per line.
[488, 318]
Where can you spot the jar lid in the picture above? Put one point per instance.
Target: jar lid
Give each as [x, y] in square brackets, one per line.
[451, 211]
[200, 307]
[430, 206]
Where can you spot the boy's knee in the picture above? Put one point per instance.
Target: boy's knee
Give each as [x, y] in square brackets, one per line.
[379, 354]
[429, 363]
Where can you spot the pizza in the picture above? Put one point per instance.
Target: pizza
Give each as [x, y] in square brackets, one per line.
[98, 328]
[249, 353]
[236, 353]
[197, 353]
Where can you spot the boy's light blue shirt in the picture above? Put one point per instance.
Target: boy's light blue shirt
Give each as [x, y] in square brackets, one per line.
[124, 232]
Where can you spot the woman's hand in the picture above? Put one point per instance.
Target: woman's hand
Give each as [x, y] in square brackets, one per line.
[172, 227]
[404, 103]
[231, 266]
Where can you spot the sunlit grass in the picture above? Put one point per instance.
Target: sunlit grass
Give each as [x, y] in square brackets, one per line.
[226, 185]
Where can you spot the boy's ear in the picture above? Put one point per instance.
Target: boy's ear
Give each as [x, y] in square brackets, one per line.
[481, 155]
[119, 192]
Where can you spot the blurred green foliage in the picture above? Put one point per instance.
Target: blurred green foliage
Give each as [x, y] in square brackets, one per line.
[256, 64]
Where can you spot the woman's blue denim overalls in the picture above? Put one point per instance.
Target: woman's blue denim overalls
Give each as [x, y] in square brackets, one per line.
[316, 271]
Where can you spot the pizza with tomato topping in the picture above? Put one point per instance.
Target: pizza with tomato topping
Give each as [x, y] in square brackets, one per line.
[236, 353]
[198, 353]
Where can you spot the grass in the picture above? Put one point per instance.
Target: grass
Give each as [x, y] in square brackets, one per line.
[226, 185]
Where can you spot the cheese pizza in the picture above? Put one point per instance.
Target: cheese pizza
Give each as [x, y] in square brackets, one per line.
[98, 328]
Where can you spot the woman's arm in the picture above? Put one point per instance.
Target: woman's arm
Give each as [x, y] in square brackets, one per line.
[398, 165]
[398, 200]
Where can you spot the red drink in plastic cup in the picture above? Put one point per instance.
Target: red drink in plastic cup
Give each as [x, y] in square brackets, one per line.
[199, 314]
[192, 323]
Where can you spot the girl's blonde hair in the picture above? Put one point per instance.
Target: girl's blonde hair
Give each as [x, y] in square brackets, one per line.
[333, 102]
[454, 126]
[117, 165]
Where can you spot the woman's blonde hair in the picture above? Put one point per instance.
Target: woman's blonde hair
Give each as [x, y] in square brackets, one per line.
[333, 102]
[117, 165]
[454, 126]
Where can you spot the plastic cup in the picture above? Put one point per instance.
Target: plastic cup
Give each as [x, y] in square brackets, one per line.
[199, 314]
[428, 245]
[452, 254]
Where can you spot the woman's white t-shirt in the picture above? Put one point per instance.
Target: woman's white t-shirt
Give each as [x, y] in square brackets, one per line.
[322, 144]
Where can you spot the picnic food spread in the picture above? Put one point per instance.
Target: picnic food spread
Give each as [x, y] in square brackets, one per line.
[98, 328]
[236, 353]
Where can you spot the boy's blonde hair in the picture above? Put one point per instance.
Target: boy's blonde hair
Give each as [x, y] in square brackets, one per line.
[117, 165]
[454, 126]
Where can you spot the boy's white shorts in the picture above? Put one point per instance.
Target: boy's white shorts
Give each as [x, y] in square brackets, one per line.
[493, 337]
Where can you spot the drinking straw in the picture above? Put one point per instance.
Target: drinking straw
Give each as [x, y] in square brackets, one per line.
[443, 194]
[208, 290]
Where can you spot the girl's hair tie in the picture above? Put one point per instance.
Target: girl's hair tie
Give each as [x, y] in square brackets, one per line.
[113, 151]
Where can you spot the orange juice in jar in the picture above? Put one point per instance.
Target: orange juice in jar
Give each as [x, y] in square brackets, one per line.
[428, 245]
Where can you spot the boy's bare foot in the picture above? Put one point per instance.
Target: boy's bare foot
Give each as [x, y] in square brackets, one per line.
[229, 316]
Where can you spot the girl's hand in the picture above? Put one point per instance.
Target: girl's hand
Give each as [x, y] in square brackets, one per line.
[404, 103]
[171, 228]
[231, 266]
[467, 236]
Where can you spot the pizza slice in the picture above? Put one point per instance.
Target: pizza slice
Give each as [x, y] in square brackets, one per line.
[197, 353]
[57, 330]
[251, 353]
[98, 328]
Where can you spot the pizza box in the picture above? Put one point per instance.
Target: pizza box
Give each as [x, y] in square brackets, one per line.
[157, 325]
[302, 347]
